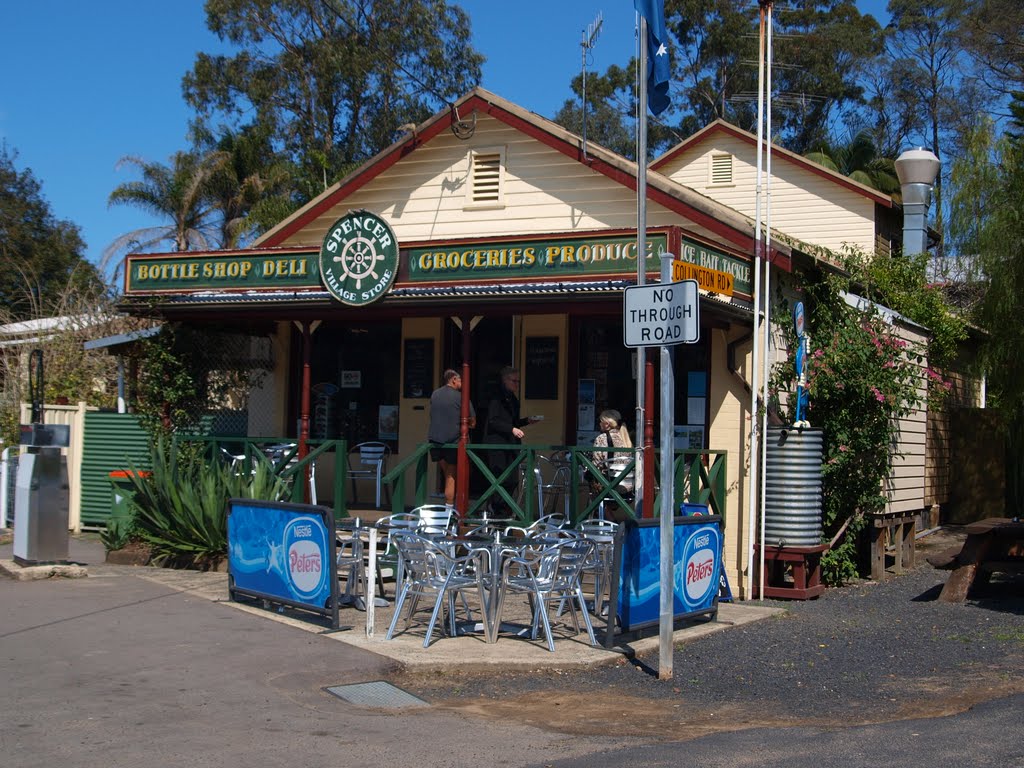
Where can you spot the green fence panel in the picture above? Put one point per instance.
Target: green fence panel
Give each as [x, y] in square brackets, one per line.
[113, 441]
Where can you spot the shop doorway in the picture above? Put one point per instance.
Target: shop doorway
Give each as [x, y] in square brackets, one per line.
[491, 348]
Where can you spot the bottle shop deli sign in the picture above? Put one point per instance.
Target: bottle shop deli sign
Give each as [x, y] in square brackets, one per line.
[359, 258]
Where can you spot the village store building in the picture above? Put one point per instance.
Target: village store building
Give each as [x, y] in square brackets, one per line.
[487, 236]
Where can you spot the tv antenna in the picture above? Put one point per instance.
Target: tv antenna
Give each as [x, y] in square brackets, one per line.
[589, 40]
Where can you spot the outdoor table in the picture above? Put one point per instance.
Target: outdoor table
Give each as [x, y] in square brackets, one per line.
[995, 544]
[363, 534]
[497, 547]
[603, 537]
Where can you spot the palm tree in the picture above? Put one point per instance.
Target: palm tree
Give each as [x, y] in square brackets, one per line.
[251, 179]
[861, 162]
[179, 193]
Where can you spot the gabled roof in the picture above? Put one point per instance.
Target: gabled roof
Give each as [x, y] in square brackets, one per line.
[731, 226]
[721, 126]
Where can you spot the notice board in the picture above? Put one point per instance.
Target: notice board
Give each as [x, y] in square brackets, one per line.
[418, 368]
[541, 368]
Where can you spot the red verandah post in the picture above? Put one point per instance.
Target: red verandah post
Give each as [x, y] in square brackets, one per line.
[462, 463]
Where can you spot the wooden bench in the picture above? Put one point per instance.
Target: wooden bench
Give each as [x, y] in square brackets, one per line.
[898, 530]
[993, 545]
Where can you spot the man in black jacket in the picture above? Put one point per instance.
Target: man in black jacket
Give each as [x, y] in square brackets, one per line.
[504, 426]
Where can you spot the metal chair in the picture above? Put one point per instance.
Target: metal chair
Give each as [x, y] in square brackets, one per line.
[554, 479]
[434, 519]
[550, 576]
[368, 461]
[403, 522]
[349, 556]
[431, 571]
[599, 565]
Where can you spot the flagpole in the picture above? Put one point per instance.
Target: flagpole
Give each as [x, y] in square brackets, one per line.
[641, 247]
[767, 283]
[753, 488]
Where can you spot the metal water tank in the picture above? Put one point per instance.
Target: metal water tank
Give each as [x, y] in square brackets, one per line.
[792, 496]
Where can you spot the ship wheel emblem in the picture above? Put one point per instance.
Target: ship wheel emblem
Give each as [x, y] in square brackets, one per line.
[358, 259]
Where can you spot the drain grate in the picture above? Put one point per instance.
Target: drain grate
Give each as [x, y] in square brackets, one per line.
[377, 694]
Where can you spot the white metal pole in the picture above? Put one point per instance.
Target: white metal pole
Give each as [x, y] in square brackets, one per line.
[753, 453]
[766, 349]
[666, 592]
[641, 240]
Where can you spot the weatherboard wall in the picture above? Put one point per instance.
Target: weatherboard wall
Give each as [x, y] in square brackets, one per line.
[423, 195]
[804, 205]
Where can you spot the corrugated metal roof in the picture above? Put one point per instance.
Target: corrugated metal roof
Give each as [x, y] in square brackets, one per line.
[409, 293]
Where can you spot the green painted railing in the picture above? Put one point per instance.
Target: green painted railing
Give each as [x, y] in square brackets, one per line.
[700, 477]
[283, 453]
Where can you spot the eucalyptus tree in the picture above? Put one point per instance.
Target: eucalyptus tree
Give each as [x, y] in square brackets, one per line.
[37, 250]
[179, 194]
[987, 206]
[992, 32]
[332, 79]
[821, 49]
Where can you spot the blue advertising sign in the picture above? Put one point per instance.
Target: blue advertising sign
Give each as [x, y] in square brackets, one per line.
[283, 553]
[697, 551]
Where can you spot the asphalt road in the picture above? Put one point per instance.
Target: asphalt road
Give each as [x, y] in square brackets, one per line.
[115, 670]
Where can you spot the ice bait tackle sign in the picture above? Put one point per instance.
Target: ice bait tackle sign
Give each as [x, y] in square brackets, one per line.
[359, 258]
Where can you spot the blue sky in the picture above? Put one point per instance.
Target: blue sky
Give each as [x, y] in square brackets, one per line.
[84, 84]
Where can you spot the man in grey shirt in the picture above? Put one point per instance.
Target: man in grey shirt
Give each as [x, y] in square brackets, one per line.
[445, 415]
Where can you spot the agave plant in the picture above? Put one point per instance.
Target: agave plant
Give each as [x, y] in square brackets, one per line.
[180, 509]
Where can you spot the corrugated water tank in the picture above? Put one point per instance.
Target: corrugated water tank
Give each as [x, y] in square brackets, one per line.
[792, 497]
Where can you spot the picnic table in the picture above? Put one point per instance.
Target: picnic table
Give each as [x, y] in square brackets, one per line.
[993, 545]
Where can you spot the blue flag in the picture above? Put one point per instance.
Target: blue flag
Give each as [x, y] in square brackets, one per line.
[658, 71]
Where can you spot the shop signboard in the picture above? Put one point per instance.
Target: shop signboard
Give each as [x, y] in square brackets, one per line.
[636, 570]
[359, 258]
[283, 553]
[532, 259]
[161, 274]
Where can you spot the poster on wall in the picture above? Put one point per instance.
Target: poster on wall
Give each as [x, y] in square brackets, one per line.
[351, 379]
[695, 407]
[688, 437]
[585, 417]
[387, 422]
[283, 553]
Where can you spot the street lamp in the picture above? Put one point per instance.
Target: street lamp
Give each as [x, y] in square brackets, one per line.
[916, 169]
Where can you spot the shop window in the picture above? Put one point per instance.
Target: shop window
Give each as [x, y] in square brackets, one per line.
[721, 169]
[486, 173]
[356, 381]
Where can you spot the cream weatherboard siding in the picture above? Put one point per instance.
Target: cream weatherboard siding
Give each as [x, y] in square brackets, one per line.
[805, 205]
[905, 486]
[423, 196]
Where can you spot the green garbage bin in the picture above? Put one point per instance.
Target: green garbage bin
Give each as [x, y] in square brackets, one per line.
[122, 488]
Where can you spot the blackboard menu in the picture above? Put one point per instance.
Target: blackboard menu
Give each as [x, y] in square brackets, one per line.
[541, 370]
[419, 368]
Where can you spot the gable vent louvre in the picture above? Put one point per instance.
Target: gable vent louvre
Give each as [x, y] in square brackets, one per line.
[721, 169]
[486, 177]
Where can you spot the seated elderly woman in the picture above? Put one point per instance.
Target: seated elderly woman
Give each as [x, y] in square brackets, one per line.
[614, 434]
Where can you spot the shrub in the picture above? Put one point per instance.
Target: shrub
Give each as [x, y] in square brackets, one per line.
[180, 509]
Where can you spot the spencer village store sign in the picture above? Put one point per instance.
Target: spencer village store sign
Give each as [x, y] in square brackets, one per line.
[360, 260]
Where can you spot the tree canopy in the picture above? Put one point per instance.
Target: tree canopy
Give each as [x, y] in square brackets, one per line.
[41, 253]
[332, 80]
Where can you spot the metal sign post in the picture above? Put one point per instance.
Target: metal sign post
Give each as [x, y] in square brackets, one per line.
[665, 314]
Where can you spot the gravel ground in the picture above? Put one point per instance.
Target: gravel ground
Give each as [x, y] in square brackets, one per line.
[864, 652]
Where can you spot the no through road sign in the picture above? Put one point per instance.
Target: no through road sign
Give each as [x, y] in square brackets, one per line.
[662, 314]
